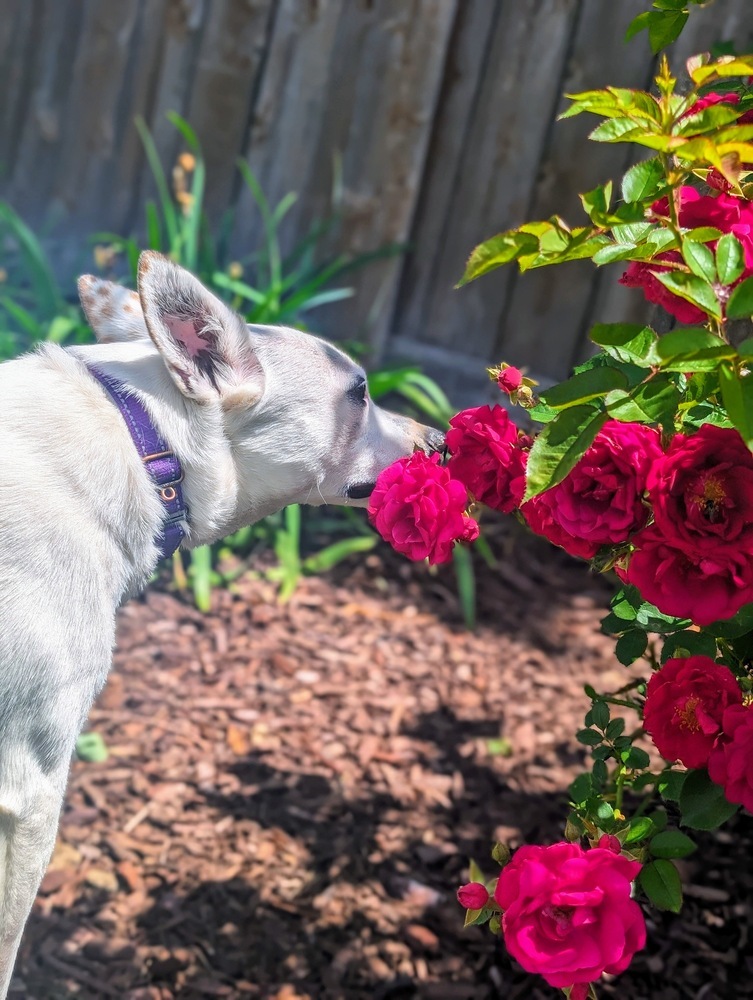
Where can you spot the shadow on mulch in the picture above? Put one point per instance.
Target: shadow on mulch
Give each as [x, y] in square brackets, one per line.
[294, 792]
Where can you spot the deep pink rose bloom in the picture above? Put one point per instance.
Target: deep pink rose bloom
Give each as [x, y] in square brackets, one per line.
[419, 509]
[730, 761]
[510, 379]
[709, 100]
[704, 587]
[600, 501]
[488, 456]
[568, 915]
[702, 491]
[473, 896]
[722, 211]
[685, 702]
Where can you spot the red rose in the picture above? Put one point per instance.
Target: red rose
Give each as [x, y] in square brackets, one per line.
[419, 509]
[722, 211]
[510, 379]
[702, 587]
[568, 914]
[610, 843]
[600, 502]
[488, 456]
[473, 896]
[702, 491]
[685, 702]
[708, 100]
[730, 761]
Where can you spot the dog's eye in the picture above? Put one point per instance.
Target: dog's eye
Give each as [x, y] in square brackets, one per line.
[358, 391]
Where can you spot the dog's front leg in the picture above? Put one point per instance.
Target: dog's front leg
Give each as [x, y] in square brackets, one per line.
[28, 824]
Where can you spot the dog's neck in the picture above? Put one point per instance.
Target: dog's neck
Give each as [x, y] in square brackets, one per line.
[195, 434]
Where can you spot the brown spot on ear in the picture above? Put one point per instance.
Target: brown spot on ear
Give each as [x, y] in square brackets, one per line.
[241, 398]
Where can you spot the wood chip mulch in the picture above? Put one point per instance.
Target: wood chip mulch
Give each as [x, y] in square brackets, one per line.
[293, 792]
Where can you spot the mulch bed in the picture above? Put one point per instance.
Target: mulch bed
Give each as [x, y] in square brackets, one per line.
[293, 793]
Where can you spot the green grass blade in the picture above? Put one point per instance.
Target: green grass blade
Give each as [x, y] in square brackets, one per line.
[167, 205]
[47, 298]
[333, 554]
[466, 583]
[201, 577]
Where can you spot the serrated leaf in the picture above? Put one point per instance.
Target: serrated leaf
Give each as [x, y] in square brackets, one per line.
[700, 260]
[600, 714]
[643, 180]
[617, 130]
[670, 785]
[691, 288]
[635, 758]
[730, 258]
[559, 446]
[583, 387]
[630, 647]
[588, 737]
[499, 250]
[627, 342]
[654, 401]
[672, 844]
[615, 729]
[581, 789]
[703, 234]
[702, 803]
[740, 304]
[691, 642]
[660, 880]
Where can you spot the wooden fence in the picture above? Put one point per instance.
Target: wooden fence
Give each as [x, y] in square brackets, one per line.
[435, 116]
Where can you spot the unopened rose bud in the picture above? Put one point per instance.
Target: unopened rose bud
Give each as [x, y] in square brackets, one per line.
[524, 397]
[501, 853]
[510, 379]
[610, 843]
[473, 896]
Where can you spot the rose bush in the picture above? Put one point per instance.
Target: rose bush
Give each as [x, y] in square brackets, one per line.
[640, 462]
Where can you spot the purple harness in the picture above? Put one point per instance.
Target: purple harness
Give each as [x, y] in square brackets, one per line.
[161, 464]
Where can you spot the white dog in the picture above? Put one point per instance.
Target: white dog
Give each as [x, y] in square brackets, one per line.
[248, 419]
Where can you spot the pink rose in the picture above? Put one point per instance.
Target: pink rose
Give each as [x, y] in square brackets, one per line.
[600, 502]
[610, 843]
[419, 509]
[473, 896]
[488, 456]
[510, 379]
[709, 100]
[722, 211]
[685, 702]
[730, 760]
[703, 587]
[702, 491]
[568, 914]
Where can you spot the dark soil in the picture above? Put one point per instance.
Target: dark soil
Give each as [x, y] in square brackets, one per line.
[293, 793]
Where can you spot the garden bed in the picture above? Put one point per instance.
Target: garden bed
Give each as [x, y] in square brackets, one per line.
[293, 792]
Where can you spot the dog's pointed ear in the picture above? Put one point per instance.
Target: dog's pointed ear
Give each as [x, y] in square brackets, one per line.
[204, 344]
[114, 313]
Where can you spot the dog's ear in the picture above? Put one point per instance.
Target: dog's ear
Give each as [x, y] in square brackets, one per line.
[114, 313]
[204, 344]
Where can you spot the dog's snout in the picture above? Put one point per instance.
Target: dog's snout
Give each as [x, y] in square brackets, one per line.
[434, 439]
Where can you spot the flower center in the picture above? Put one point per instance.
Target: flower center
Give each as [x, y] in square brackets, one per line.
[561, 916]
[686, 717]
[710, 499]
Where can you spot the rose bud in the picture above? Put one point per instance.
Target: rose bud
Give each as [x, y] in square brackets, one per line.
[473, 896]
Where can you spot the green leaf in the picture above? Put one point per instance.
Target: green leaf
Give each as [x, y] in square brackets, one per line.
[635, 758]
[702, 803]
[617, 130]
[596, 203]
[615, 729]
[600, 714]
[559, 446]
[583, 387]
[640, 828]
[653, 401]
[700, 260]
[498, 250]
[737, 395]
[703, 234]
[733, 628]
[638, 24]
[730, 260]
[740, 304]
[589, 737]
[691, 288]
[660, 880]
[688, 643]
[670, 784]
[92, 748]
[631, 646]
[644, 180]
[627, 342]
[692, 349]
[672, 844]
[582, 788]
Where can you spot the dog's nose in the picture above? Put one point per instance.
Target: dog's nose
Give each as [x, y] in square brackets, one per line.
[434, 439]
